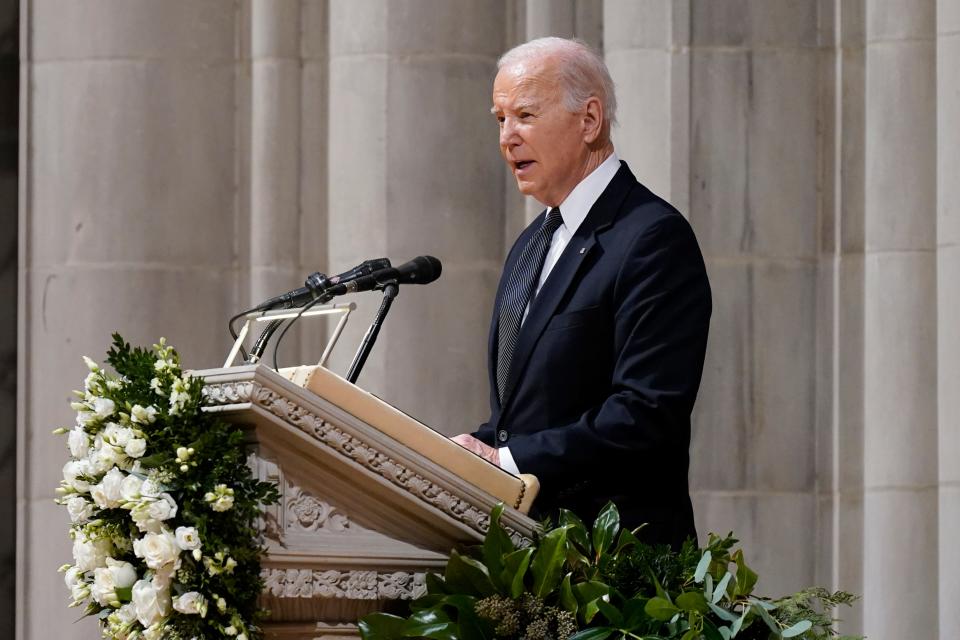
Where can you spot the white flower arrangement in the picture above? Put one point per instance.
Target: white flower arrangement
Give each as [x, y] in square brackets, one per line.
[161, 505]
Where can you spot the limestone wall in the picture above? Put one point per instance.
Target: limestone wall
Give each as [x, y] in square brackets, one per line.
[184, 159]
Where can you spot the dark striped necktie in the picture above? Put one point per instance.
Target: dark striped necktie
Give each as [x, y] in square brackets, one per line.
[517, 294]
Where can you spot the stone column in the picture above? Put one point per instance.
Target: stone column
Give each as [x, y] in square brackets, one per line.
[414, 169]
[126, 223]
[900, 325]
[948, 310]
[753, 180]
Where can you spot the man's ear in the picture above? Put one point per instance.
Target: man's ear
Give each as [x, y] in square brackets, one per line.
[593, 119]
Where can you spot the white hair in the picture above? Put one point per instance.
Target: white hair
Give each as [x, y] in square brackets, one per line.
[581, 71]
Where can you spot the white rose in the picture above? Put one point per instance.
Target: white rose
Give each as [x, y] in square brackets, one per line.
[159, 551]
[141, 516]
[152, 602]
[136, 447]
[106, 581]
[191, 603]
[79, 442]
[103, 407]
[143, 415]
[187, 538]
[105, 457]
[107, 493]
[79, 509]
[72, 472]
[164, 508]
[90, 554]
[130, 488]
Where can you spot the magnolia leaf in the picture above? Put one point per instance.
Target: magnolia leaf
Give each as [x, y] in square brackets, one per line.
[515, 569]
[692, 601]
[381, 626]
[797, 629]
[468, 576]
[605, 528]
[435, 584]
[721, 588]
[634, 614]
[547, 565]
[610, 612]
[660, 609]
[567, 600]
[496, 544]
[592, 633]
[627, 539]
[577, 531]
[702, 566]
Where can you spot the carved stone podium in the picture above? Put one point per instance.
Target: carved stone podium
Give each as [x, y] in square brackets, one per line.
[371, 499]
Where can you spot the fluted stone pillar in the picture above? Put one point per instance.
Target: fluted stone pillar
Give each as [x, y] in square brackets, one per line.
[645, 49]
[753, 178]
[948, 310]
[126, 223]
[414, 169]
[900, 324]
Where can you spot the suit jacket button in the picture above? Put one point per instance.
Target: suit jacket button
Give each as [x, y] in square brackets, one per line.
[502, 435]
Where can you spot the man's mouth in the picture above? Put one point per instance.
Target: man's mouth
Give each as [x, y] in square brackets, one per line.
[520, 165]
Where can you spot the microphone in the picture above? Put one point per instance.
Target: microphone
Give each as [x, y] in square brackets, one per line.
[420, 270]
[316, 284]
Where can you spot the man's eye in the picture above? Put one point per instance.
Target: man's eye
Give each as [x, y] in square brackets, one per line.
[525, 115]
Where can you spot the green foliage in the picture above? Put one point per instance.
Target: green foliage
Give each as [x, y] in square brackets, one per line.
[575, 583]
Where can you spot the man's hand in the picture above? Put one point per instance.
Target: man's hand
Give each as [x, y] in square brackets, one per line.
[470, 443]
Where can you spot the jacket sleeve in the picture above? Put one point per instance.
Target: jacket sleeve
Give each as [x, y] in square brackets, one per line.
[662, 306]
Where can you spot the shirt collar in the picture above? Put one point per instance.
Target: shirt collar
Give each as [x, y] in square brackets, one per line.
[577, 205]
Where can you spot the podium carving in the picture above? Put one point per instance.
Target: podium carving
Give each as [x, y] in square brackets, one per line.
[371, 500]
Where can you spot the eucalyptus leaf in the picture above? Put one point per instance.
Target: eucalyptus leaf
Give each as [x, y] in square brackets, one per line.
[797, 629]
[702, 566]
[724, 632]
[721, 589]
[721, 612]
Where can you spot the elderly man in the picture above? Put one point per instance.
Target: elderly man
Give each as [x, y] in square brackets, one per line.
[600, 323]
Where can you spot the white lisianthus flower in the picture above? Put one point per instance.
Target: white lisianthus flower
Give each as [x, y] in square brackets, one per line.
[220, 499]
[92, 383]
[143, 415]
[163, 508]
[136, 447]
[105, 457]
[157, 387]
[106, 581]
[103, 407]
[130, 488]
[154, 632]
[151, 488]
[230, 631]
[90, 554]
[191, 603]
[79, 442]
[79, 508]
[91, 363]
[72, 472]
[187, 538]
[127, 613]
[151, 602]
[79, 590]
[159, 551]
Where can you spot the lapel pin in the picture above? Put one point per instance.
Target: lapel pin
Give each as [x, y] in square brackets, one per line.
[583, 250]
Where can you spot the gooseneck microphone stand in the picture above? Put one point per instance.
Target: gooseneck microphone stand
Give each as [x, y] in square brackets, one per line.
[390, 292]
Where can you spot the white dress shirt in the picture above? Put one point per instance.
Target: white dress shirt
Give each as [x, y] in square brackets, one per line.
[573, 211]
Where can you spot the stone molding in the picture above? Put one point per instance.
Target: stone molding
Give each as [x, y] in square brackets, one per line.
[354, 449]
[351, 585]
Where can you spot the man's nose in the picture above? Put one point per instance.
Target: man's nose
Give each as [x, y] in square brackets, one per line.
[508, 133]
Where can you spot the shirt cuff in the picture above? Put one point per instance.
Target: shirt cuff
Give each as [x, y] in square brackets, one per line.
[507, 462]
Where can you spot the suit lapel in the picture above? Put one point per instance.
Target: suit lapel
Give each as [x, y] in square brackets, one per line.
[563, 274]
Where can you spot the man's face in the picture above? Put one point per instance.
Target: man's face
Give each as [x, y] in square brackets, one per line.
[542, 142]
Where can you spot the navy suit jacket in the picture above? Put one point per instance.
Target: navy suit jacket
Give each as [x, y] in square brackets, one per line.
[607, 365]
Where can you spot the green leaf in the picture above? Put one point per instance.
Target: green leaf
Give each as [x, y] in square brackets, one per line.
[588, 591]
[721, 612]
[627, 539]
[634, 614]
[381, 626]
[702, 566]
[547, 565]
[496, 544]
[691, 634]
[467, 576]
[605, 528]
[797, 629]
[610, 612]
[567, 600]
[721, 588]
[435, 584]
[577, 531]
[514, 570]
[592, 633]
[746, 577]
[660, 609]
[124, 594]
[472, 626]
[692, 601]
